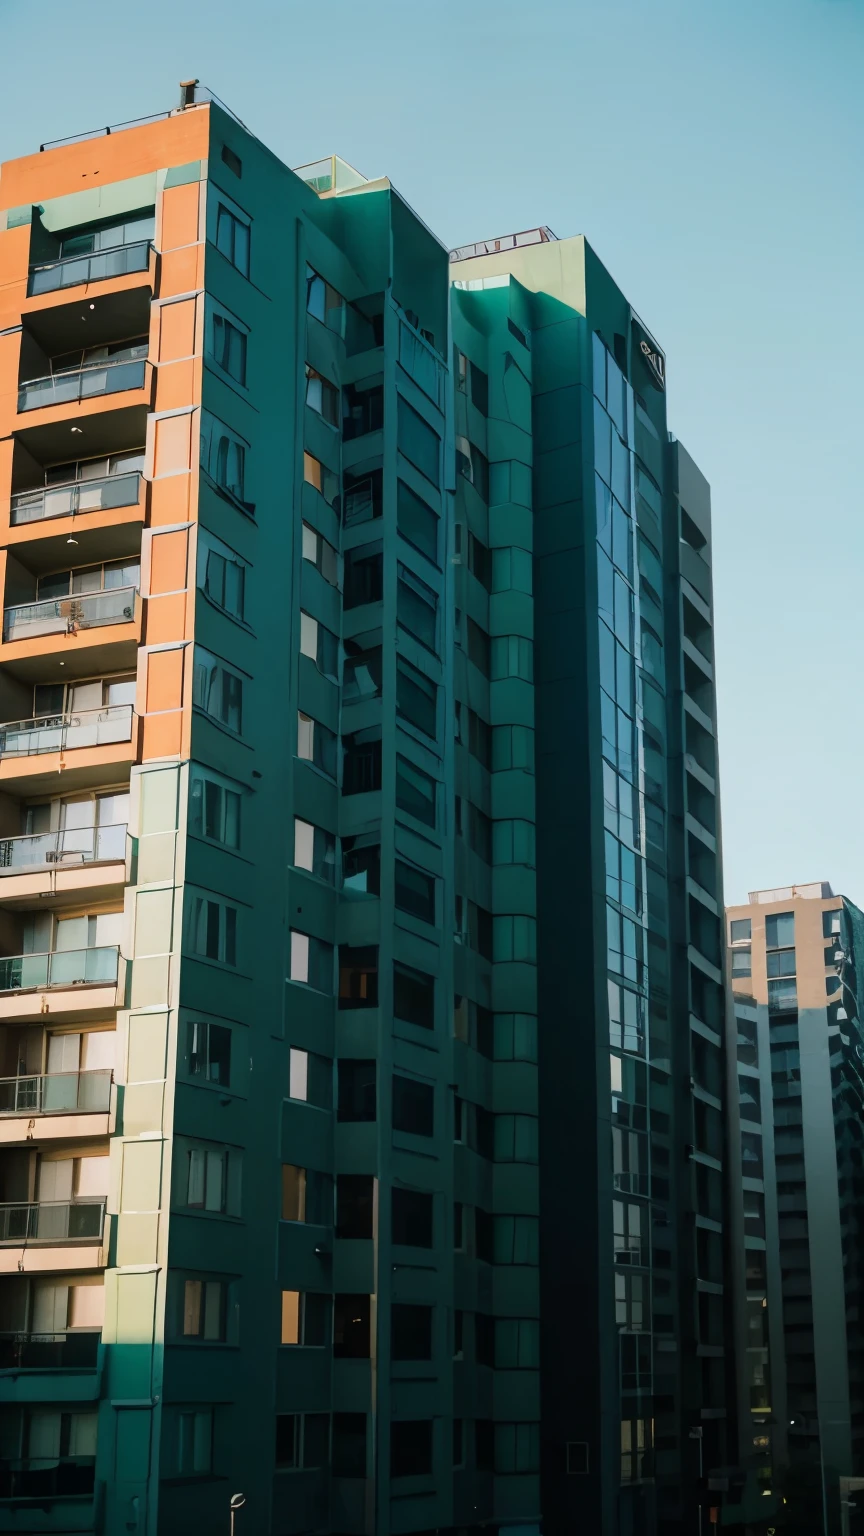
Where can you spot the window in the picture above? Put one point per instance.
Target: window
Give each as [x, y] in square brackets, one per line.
[356, 1090]
[214, 809]
[782, 996]
[195, 1442]
[410, 1332]
[218, 692]
[232, 238]
[307, 1195]
[315, 850]
[320, 645]
[355, 1200]
[322, 396]
[516, 1240]
[413, 1106]
[512, 657]
[349, 1445]
[351, 1327]
[410, 1447]
[411, 1217]
[204, 1310]
[361, 761]
[304, 1318]
[480, 739]
[358, 976]
[739, 929]
[416, 698]
[212, 930]
[413, 996]
[311, 961]
[316, 744]
[362, 495]
[780, 962]
[513, 747]
[416, 521]
[232, 160]
[416, 792]
[517, 1344]
[362, 408]
[209, 1048]
[320, 553]
[512, 570]
[418, 442]
[316, 473]
[221, 574]
[223, 457]
[480, 389]
[302, 1440]
[324, 302]
[480, 562]
[416, 607]
[361, 672]
[310, 1078]
[212, 1179]
[364, 575]
[741, 962]
[779, 929]
[414, 892]
[629, 1232]
[517, 1448]
[228, 346]
[631, 1302]
[515, 1037]
[516, 1139]
[513, 842]
[626, 1017]
[475, 926]
[479, 648]
[514, 938]
[473, 465]
[636, 1454]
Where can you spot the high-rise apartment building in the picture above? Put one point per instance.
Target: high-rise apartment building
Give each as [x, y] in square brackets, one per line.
[797, 1156]
[361, 999]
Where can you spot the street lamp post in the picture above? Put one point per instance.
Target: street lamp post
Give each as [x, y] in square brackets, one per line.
[237, 1502]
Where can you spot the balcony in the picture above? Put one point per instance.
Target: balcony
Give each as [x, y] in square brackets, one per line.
[43, 1477]
[68, 615]
[57, 1093]
[68, 1351]
[108, 493]
[53, 1221]
[95, 267]
[60, 733]
[98, 966]
[77, 384]
[67, 846]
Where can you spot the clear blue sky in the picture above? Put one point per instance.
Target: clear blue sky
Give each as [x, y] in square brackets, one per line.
[711, 150]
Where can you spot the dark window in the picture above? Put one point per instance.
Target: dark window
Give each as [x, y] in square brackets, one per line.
[416, 607]
[288, 1438]
[362, 408]
[351, 1327]
[410, 1447]
[361, 864]
[361, 672]
[484, 1444]
[233, 162]
[484, 1339]
[210, 1052]
[415, 791]
[358, 976]
[479, 648]
[410, 1332]
[416, 698]
[411, 1215]
[484, 1235]
[363, 575]
[349, 1445]
[361, 761]
[416, 521]
[480, 389]
[458, 1442]
[779, 929]
[419, 443]
[413, 1106]
[480, 562]
[415, 892]
[479, 739]
[354, 1201]
[362, 495]
[356, 1090]
[302, 1440]
[413, 996]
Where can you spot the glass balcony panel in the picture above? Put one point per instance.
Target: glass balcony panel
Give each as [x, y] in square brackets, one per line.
[49, 1351]
[117, 261]
[65, 615]
[82, 383]
[94, 1092]
[60, 1091]
[56, 1092]
[105, 493]
[87, 728]
[40, 1477]
[52, 1221]
[19, 972]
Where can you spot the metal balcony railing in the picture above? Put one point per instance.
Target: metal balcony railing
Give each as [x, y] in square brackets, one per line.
[60, 968]
[77, 1350]
[52, 1221]
[104, 494]
[68, 271]
[70, 845]
[83, 383]
[66, 615]
[58, 733]
[47, 1477]
[55, 1093]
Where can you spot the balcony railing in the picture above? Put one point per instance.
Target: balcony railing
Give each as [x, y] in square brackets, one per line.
[57, 1093]
[49, 1351]
[57, 733]
[71, 845]
[52, 1221]
[117, 261]
[60, 968]
[83, 383]
[66, 615]
[47, 1477]
[102, 495]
